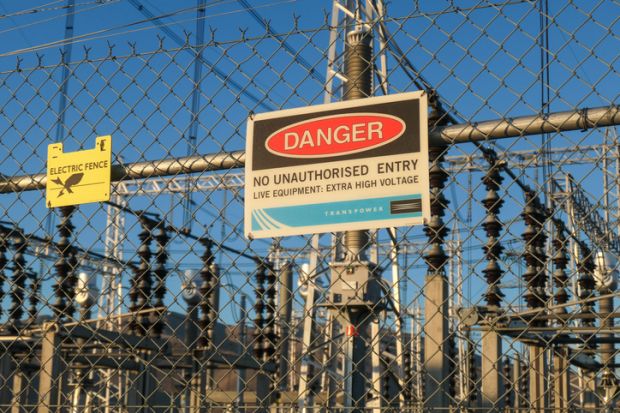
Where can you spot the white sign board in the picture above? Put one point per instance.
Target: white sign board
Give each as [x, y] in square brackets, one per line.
[351, 165]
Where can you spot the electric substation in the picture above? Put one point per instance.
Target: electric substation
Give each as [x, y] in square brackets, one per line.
[403, 207]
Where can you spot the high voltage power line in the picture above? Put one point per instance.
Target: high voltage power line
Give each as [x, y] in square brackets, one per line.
[97, 4]
[108, 32]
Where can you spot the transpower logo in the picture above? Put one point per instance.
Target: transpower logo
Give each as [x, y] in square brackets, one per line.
[349, 211]
[335, 135]
[339, 212]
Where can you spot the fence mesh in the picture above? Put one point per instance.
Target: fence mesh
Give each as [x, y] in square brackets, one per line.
[155, 300]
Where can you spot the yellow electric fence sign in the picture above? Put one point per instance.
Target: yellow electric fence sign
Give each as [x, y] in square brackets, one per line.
[78, 177]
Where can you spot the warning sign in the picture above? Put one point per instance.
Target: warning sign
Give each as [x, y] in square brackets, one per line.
[358, 164]
[79, 177]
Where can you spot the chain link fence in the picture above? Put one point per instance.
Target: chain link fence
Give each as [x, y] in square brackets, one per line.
[155, 300]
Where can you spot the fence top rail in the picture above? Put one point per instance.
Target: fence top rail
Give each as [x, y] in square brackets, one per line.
[578, 119]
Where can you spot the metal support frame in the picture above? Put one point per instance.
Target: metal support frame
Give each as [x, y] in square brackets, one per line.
[241, 377]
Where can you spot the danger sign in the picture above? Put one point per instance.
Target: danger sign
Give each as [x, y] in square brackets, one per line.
[351, 165]
[78, 177]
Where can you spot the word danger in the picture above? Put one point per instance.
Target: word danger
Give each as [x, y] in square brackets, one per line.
[335, 135]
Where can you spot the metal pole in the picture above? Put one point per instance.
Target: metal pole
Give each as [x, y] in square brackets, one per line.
[399, 320]
[51, 377]
[331, 362]
[419, 361]
[8, 374]
[436, 303]
[192, 392]
[578, 119]
[195, 108]
[358, 71]
[376, 401]
[442, 135]
[241, 387]
[517, 377]
[306, 373]
[285, 310]
[606, 307]
[20, 391]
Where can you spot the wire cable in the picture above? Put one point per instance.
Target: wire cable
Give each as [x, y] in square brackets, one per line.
[110, 31]
[98, 4]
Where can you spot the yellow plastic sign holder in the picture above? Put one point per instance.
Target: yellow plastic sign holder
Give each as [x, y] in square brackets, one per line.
[78, 177]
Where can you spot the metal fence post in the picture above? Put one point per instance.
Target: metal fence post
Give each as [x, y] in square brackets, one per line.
[7, 375]
[52, 373]
[436, 306]
[285, 309]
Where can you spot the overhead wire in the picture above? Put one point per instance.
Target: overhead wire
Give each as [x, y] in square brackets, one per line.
[90, 35]
[32, 10]
[97, 4]
[291, 50]
[19, 32]
[106, 33]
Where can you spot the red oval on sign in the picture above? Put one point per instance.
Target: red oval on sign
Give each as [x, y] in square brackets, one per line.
[335, 135]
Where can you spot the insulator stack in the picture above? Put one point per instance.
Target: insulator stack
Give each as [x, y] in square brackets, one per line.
[161, 272]
[133, 298]
[259, 308]
[269, 332]
[540, 241]
[33, 298]
[586, 283]
[560, 262]
[270, 314]
[534, 253]
[4, 245]
[493, 226]
[142, 283]
[408, 373]
[208, 314]
[18, 282]
[213, 299]
[65, 266]
[509, 385]
[435, 230]
[524, 385]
